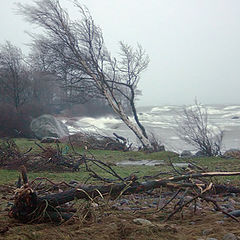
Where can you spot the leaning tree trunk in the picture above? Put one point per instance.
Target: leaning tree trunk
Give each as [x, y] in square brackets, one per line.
[102, 85]
[141, 135]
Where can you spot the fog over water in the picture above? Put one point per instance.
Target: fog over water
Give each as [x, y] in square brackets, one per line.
[193, 45]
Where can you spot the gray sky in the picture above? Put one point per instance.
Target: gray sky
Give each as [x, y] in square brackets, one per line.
[193, 45]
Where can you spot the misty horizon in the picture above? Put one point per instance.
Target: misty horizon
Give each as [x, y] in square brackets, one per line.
[193, 45]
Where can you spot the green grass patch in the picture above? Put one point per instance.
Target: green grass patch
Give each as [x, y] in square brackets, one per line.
[113, 157]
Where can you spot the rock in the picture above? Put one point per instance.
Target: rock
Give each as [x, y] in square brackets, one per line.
[206, 239]
[200, 154]
[123, 201]
[50, 140]
[141, 221]
[228, 206]
[116, 206]
[72, 182]
[235, 117]
[48, 126]
[186, 154]
[207, 231]
[220, 222]
[235, 213]
[232, 153]
[229, 236]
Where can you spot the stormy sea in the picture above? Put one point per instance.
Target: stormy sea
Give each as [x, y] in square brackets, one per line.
[162, 122]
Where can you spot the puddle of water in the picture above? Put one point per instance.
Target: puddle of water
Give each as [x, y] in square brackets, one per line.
[148, 163]
[142, 162]
[180, 164]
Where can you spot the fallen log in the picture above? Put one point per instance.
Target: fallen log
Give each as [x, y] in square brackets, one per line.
[128, 188]
[30, 207]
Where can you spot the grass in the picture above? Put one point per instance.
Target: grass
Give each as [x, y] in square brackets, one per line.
[25, 144]
[116, 225]
[112, 157]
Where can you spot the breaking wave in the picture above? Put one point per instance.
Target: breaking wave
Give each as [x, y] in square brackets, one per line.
[161, 120]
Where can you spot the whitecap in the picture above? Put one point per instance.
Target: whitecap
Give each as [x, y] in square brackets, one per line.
[231, 107]
[174, 138]
[161, 109]
[100, 123]
[212, 111]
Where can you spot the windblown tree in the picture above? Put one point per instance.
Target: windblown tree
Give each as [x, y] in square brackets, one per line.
[80, 45]
[14, 77]
[74, 85]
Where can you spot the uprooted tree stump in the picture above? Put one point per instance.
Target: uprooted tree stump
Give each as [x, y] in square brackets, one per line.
[29, 207]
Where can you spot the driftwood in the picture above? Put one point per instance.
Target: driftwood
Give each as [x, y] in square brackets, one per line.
[10, 155]
[98, 141]
[57, 157]
[29, 206]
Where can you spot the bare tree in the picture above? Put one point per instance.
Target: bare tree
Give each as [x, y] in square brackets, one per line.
[75, 88]
[14, 77]
[193, 128]
[80, 45]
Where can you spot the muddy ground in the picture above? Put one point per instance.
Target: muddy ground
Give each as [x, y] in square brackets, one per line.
[116, 219]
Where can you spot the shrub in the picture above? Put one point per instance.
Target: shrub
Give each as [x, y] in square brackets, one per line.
[193, 128]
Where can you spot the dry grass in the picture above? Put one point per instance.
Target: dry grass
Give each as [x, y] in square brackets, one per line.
[118, 224]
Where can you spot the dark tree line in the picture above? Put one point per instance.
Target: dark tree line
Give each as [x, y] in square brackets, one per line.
[42, 83]
[71, 56]
[34, 85]
[40, 79]
[76, 51]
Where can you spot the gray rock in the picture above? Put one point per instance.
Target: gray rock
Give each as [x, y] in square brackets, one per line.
[73, 182]
[48, 126]
[229, 236]
[123, 201]
[211, 239]
[141, 221]
[200, 154]
[235, 213]
[186, 154]
[207, 231]
[220, 222]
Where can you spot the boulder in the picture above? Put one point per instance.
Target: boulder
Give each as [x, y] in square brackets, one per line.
[200, 154]
[186, 154]
[47, 126]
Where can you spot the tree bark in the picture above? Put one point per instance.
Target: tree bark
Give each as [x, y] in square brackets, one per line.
[29, 207]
